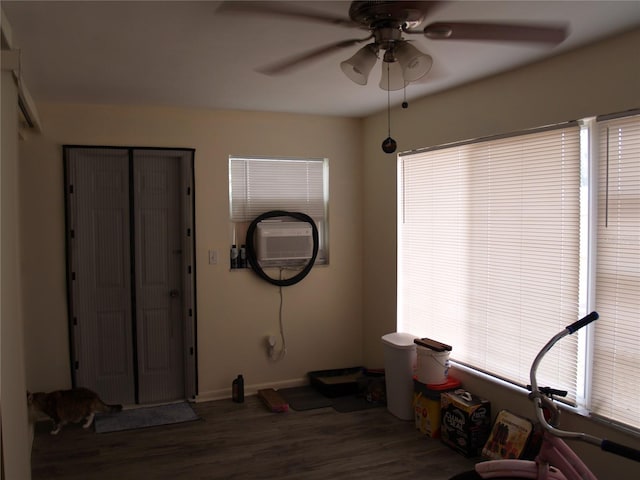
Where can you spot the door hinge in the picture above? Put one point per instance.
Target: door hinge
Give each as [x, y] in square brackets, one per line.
[75, 321]
[189, 269]
[70, 188]
[72, 234]
[188, 190]
[77, 365]
[191, 312]
[73, 275]
[191, 350]
[188, 232]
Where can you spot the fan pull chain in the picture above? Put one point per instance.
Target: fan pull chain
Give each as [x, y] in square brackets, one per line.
[388, 103]
[389, 144]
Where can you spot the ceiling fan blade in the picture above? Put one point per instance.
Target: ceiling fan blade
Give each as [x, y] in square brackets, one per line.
[298, 60]
[283, 9]
[496, 31]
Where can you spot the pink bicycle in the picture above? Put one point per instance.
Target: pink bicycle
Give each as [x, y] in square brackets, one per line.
[555, 459]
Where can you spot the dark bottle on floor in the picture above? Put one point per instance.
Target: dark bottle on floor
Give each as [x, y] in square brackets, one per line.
[237, 389]
[234, 256]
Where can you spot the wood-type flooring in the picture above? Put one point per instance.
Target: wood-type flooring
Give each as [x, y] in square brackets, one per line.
[246, 441]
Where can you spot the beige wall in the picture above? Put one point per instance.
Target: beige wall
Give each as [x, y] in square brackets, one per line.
[601, 79]
[16, 435]
[235, 309]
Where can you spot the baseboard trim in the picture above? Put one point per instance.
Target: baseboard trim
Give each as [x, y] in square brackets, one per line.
[249, 389]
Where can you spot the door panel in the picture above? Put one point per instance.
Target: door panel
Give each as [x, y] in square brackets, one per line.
[158, 290]
[99, 271]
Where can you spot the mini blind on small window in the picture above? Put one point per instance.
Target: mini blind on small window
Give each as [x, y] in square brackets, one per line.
[259, 185]
[488, 251]
[616, 359]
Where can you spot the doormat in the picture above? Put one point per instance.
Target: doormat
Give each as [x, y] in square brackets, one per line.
[145, 417]
[304, 398]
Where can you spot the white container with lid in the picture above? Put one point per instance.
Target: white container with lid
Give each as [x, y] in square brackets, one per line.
[399, 366]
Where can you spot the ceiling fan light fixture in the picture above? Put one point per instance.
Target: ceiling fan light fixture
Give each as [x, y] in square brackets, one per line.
[392, 79]
[358, 67]
[414, 63]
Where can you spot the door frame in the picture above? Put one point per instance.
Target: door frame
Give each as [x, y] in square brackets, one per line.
[189, 315]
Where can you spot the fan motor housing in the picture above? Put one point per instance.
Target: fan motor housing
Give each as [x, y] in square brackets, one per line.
[373, 14]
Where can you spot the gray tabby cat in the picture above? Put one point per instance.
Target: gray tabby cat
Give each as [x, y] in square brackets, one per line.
[64, 406]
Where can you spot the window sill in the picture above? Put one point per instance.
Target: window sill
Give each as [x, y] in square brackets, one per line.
[529, 413]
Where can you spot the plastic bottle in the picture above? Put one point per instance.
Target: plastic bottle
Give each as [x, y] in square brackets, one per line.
[237, 389]
[242, 257]
[234, 256]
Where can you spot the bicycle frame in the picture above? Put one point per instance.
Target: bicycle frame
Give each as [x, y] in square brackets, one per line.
[555, 460]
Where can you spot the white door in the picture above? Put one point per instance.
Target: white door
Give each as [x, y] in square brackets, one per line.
[158, 285]
[99, 278]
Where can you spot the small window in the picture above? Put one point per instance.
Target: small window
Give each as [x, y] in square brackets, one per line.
[258, 185]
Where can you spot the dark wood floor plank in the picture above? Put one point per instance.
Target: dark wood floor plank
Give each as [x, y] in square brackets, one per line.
[246, 441]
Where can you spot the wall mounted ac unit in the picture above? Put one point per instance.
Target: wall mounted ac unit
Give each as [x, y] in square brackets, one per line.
[11, 62]
[283, 243]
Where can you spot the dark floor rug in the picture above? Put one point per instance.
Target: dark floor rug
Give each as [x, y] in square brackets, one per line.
[304, 398]
[144, 417]
[353, 403]
[308, 398]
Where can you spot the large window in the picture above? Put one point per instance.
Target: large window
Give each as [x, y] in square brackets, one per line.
[258, 185]
[497, 252]
[615, 388]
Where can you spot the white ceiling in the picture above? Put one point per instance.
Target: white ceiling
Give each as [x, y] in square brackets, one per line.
[188, 54]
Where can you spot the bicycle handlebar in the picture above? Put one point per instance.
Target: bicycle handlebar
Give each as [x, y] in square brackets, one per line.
[539, 399]
[575, 326]
[619, 449]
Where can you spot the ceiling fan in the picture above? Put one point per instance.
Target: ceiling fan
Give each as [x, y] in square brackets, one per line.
[387, 23]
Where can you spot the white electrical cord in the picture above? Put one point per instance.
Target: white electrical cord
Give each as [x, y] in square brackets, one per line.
[283, 350]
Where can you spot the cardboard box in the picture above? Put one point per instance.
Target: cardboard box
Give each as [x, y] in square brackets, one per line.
[509, 437]
[466, 422]
[273, 400]
[426, 404]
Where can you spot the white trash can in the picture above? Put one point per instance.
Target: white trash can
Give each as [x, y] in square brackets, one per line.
[399, 366]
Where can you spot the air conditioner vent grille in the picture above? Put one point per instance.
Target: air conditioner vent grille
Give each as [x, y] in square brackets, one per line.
[283, 242]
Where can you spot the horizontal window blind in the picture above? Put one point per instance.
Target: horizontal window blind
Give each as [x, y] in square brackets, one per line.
[259, 185]
[616, 376]
[488, 251]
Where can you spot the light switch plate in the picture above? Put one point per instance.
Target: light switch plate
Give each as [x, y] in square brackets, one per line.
[213, 257]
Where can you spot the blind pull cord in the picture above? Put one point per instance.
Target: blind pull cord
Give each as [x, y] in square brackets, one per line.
[606, 191]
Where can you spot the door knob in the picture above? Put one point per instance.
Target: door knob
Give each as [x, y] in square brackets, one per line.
[174, 293]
